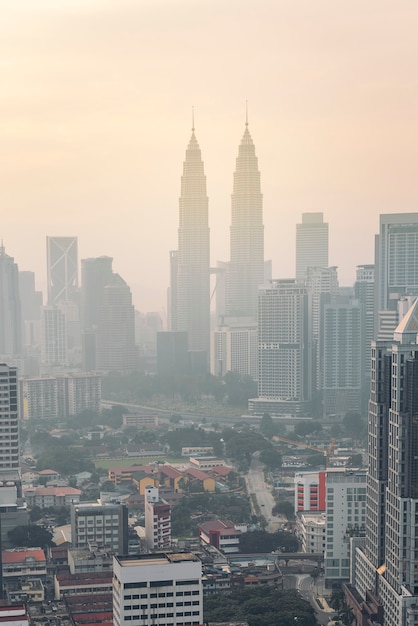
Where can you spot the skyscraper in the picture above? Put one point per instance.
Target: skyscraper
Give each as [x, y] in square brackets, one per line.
[62, 269]
[10, 309]
[396, 265]
[245, 272]
[385, 566]
[311, 243]
[364, 288]
[284, 350]
[191, 292]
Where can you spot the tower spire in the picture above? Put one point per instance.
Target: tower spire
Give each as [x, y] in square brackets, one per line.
[246, 113]
[192, 119]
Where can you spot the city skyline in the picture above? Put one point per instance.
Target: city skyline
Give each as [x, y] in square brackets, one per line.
[97, 105]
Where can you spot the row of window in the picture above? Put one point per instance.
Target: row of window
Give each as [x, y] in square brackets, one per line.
[161, 605]
[169, 594]
[132, 618]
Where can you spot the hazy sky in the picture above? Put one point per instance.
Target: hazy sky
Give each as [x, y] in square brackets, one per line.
[95, 117]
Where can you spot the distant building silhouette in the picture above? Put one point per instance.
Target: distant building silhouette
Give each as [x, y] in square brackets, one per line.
[311, 243]
[190, 290]
[62, 269]
[172, 353]
[364, 290]
[10, 307]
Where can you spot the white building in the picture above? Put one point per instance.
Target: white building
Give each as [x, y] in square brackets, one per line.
[54, 346]
[284, 350]
[310, 530]
[234, 347]
[158, 589]
[345, 518]
[157, 520]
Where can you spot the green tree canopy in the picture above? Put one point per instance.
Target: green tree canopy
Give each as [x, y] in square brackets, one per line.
[31, 536]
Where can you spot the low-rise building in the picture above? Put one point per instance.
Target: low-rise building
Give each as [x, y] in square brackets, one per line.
[222, 534]
[311, 531]
[23, 562]
[13, 614]
[205, 462]
[92, 559]
[46, 497]
[89, 583]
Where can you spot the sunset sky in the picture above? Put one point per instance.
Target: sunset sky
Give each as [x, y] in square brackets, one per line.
[96, 99]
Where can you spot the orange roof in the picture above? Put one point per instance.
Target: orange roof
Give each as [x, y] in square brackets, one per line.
[221, 470]
[19, 555]
[196, 473]
[48, 472]
[52, 491]
[169, 471]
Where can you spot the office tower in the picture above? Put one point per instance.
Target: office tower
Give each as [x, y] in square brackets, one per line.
[103, 523]
[12, 510]
[341, 341]
[172, 292]
[62, 269]
[284, 350]
[235, 348]
[364, 289]
[384, 567]
[116, 349]
[345, 517]
[245, 272]
[172, 353]
[396, 265]
[10, 307]
[311, 243]
[96, 273]
[54, 347]
[157, 520]
[157, 589]
[190, 266]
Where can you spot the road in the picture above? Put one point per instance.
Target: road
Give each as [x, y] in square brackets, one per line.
[257, 487]
[312, 591]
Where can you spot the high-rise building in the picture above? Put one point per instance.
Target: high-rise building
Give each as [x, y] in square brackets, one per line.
[158, 589]
[10, 308]
[116, 348]
[96, 273]
[235, 347]
[172, 353]
[396, 265]
[364, 289]
[284, 350]
[103, 523]
[191, 291]
[62, 269]
[345, 517]
[311, 243]
[384, 568]
[340, 351]
[157, 520]
[245, 272]
[54, 346]
[12, 510]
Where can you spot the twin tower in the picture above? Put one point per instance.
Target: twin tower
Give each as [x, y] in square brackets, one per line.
[240, 277]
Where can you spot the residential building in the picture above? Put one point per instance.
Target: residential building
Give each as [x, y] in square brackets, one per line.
[310, 530]
[311, 243]
[222, 534]
[46, 497]
[396, 266]
[384, 567]
[235, 347]
[157, 589]
[340, 354]
[284, 350]
[190, 292]
[364, 292]
[62, 269]
[345, 517]
[310, 488]
[103, 523]
[157, 520]
[10, 307]
[54, 345]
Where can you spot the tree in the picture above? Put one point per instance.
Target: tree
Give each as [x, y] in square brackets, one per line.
[286, 508]
[353, 424]
[31, 536]
[271, 458]
[267, 426]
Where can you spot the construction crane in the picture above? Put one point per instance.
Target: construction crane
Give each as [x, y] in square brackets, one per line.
[300, 444]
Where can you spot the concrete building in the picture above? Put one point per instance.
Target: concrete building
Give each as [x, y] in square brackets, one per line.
[23, 563]
[311, 243]
[284, 350]
[62, 269]
[13, 614]
[364, 292]
[46, 497]
[49, 397]
[102, 523]
[54, 344]
[157, 520]
[310, 530]
[172, 353]
[222, 534]
[384, 567]
[340, 354]
[310, 491]
[396, 266]
[190, 292]
[345, 518]
[234, 347]
[158, 589]
[10, 307]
